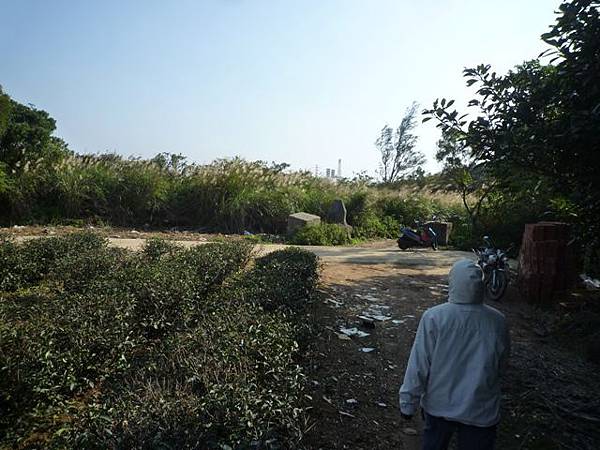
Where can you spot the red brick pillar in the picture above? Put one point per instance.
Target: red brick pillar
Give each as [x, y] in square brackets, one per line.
[543, 261]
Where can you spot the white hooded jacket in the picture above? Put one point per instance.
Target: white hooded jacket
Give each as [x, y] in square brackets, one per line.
[459, 354]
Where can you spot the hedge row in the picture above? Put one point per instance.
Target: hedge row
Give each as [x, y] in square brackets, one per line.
[165, 348]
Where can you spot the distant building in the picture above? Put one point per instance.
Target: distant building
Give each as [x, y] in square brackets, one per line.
[331, 173]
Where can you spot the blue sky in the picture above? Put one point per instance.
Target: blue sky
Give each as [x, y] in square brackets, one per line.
[305, 82]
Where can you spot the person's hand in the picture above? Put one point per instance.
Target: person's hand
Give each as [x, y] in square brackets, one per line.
[406, 416]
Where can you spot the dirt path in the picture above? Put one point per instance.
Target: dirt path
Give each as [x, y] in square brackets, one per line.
[549, 394]
[355, 390]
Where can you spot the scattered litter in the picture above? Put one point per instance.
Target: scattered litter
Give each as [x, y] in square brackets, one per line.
[367, 322]
[367, 349]
[589, 282]
[383, 405]
[375, 312]
[247, 233]
[343, 337]
[409, 316]
[410, 431]
[344, 413]
[335, 303]
[381, 317]
[352, 401]
[353, 332]
[328, 400]
[315, 382]
[398, 321]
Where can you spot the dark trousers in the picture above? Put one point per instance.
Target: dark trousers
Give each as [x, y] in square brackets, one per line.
[438, 432]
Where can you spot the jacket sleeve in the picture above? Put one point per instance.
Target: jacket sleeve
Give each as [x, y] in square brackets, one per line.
[419, 362]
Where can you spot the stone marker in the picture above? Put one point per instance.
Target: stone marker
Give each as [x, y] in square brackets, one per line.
[300, 220]
[337, 212]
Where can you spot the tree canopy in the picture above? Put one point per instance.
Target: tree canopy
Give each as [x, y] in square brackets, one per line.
[397, 148]
[541, 119]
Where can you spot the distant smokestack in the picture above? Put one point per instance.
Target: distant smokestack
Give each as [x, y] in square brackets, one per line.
[332, 173]
[328, 173]
[340, 168]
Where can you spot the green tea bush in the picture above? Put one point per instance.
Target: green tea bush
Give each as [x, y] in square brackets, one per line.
[284, 279]
[9, 278]
[235, 382]
[28, 263]
[322, 234]
[157, 248]
[166, 348]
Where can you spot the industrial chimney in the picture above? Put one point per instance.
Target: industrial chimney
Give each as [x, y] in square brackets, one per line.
[339, 171]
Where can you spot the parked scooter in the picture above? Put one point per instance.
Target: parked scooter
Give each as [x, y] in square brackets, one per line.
[422, 236]
[494, 264]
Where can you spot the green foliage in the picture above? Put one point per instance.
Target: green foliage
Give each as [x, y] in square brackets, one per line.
[27, 264]
[322, 234]
[272, 283]
[25, 133]
[166, 348]
[370, 226]
[156, 248]
[397, 148]
[541, 121]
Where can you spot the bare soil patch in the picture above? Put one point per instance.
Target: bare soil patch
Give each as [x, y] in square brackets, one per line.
[550, 393]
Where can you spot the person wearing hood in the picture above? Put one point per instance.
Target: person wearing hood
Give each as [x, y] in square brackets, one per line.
[459, 355]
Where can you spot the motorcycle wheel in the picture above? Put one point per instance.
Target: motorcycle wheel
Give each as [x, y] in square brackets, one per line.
[402, 244]
[497, 288]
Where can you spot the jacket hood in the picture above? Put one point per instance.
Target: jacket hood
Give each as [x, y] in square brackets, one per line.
[465, 283]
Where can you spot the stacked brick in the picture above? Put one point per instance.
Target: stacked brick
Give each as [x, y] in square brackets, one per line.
[544, 261]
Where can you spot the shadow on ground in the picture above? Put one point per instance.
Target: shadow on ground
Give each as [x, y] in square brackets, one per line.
[548, 400]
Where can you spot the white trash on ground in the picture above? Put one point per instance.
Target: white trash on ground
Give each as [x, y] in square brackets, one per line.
[353, 332]
[589, 282]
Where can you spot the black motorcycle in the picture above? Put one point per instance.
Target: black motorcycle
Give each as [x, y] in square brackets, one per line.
[495, 267]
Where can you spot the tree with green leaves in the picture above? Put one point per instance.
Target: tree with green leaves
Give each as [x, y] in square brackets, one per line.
[466, 175]
[397, 148]
[26, 135]
[541, 120]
